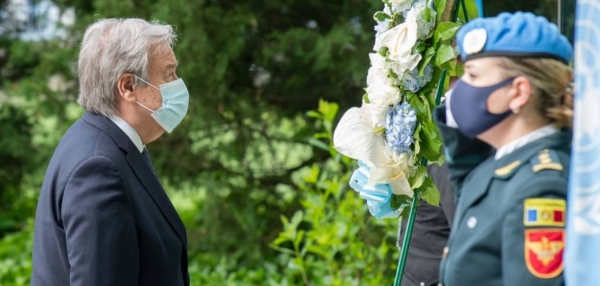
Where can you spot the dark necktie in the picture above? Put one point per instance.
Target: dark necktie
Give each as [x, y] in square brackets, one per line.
[146, 155]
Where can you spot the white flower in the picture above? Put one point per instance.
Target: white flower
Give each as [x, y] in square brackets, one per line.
[377, 45]
[399, 40]
[376, 114]
[424, 26]
[382, 94]
[379, 70]
[382, 27]
[400, 5]
[355, 137]
[408, 63]
[395, 171]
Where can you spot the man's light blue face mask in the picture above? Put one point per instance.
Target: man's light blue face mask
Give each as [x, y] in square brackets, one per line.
[175, 101]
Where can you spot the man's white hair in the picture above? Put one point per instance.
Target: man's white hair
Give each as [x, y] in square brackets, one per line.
[112, 47]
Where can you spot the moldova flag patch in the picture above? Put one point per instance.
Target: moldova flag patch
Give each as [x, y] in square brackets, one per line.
[544, 212]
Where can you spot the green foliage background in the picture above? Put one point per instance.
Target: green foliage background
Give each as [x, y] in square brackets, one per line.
[265, 200]
[244, 159]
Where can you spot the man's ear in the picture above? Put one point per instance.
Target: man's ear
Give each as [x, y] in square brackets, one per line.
[520, 93]
[126, 87]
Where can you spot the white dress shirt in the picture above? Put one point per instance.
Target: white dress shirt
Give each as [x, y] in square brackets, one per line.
[129, 131]
[523, 140]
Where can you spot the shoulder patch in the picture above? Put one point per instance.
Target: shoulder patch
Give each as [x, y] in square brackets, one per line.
[546, 160]
[508, 170]
[544, 212]
[544, 252]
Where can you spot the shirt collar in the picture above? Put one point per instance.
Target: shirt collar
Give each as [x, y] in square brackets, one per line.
[523, 140]
[129, 131]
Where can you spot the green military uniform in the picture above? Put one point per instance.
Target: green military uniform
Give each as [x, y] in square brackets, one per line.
[509, 223]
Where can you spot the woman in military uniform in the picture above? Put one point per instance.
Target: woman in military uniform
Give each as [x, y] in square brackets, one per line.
[507, 149]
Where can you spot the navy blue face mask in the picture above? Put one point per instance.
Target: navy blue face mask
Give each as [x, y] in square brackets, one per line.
[468, 105]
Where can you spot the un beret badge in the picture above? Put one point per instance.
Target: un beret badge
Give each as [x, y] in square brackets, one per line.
[474, 41]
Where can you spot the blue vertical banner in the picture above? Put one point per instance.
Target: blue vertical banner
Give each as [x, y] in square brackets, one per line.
[479, 4]
[582, 253]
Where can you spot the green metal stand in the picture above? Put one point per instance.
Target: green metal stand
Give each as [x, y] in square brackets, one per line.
[413, 207]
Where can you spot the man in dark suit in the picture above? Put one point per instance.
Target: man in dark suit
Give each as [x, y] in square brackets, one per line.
[103, 217]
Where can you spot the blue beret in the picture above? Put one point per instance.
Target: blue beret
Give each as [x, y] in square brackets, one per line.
[513, 35]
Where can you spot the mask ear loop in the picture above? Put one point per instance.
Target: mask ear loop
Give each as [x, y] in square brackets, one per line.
[145, 107]
[149, 85]
[146, 82]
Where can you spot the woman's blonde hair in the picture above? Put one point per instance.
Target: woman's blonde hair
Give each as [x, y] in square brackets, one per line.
[551, 83]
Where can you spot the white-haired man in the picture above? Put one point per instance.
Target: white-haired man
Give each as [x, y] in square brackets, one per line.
[103, 217]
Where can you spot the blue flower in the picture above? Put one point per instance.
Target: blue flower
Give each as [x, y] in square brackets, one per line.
[400, 123]
[413, 82]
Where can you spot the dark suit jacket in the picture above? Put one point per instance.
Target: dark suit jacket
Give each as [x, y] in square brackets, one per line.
[103, 217]
[430, 233]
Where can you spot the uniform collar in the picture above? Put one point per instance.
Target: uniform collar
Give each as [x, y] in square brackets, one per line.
[129, 131]
[524, 140]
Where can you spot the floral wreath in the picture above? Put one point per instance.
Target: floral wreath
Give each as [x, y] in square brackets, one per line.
[393, 130]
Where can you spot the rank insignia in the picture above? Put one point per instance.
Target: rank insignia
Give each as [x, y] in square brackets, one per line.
[544, 252]
[544, 212]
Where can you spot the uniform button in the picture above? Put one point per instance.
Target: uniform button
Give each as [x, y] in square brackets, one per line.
[445, 253]
[422, 284]
[440, 284]
[471, 222]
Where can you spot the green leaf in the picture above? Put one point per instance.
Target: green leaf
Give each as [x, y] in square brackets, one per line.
[281, 239]
[440, 160]
[426, 15]
[282, 249]
[444, 54]
[299, 238]
[400, 201]
[471, 11]
[417, 146]
[392, 74]
[328, 109]
[436, 38]
[431, 142]
[420, 107]
[383, 51]
[429, 192]
[416, 133]
[319, 144]
[366, 98]
[314, 114]
[440, 5]
[311, 177]
[381, 16]
[417, 180]
[319, 250]
[322, 135]
[451, 67]
[427, 58]
[447, 30]
[421, 46]
[297, 218]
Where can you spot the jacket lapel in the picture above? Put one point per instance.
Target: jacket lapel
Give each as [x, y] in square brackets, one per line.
[142, 170]
[476, 187]
[152, 185]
